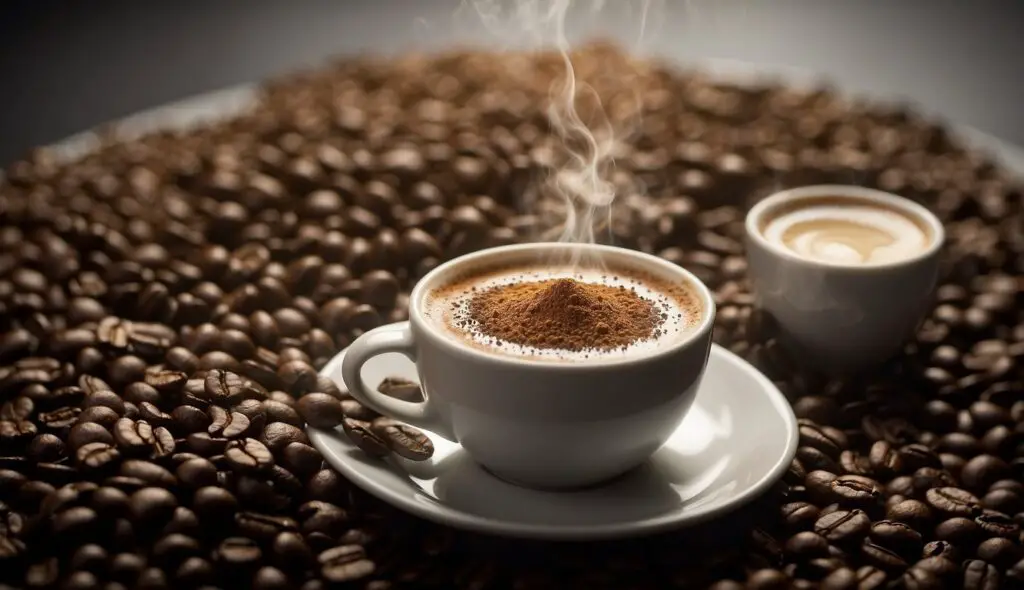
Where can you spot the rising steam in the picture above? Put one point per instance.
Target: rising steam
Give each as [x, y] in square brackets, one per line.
[583, 180]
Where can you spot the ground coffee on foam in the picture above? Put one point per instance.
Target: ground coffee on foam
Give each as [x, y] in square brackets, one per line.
[565, 314]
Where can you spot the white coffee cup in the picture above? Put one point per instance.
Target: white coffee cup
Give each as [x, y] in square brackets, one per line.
[541, 423]
[842, 319]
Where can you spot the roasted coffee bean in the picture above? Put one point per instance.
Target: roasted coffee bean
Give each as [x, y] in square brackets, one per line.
[884, 459]
[109, 502]
[301, 459]
[999, 525]
[345, 563]
[920, 579]
[225, 388]
[326, 485]
[59, 420]
[153, 415]
[403, 440]
[166, 381]
[97, 455]
[979, 575]
[320, 410]
[291, 551]
[953, 501]
[852, 491]
[365, 437]
[264, 527]
[982, 471]
[133, 436]
[916, 456]
[807, 545]
[140, 391]
[227, 424]
[163, 445]
[205, 445]
[816, 460]
[940, 549]
[102, 415]
[188, 419]
[882, 557]
[854, 463]
[912, 512]
[297, 376]
[196, 473]
[248, 455]
[152, 505]
[897, 536]
[277, 411]
[827, 440]
[213, 503]
[18, 409]
[276, 436]
[45, 448]
[357, 411]
[958, 531]
[843, 525]
[798, 516]
[926, 478]
[151, 473]
[1000, 552]
[106, 398]
[401, 388]
[238, 552]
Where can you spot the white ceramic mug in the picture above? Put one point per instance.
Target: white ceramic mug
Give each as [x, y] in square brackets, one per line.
[541, 423]
[842, 319]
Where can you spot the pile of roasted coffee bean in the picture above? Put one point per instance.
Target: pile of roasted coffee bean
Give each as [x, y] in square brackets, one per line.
[165, 303]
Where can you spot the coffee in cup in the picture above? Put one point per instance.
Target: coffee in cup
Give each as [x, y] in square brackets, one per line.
[846, 272]
[564, 313]
[846, 231]
[525, 365]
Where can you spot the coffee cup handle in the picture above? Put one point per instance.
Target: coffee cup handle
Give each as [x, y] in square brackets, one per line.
[390, 338]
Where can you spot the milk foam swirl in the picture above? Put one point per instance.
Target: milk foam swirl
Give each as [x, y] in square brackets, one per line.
[855, 235]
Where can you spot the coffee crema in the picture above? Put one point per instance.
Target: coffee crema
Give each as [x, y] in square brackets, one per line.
[846, 231]
[563, 313]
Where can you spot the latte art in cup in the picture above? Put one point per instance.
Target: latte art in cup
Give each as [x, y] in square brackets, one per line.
[846, 232]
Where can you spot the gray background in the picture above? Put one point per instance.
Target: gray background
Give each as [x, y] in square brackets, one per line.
[66, 66]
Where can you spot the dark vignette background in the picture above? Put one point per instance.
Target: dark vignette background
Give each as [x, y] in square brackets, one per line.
[68, 65]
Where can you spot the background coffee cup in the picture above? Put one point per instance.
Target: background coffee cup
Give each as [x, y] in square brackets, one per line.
[841, 319]
[534, 422]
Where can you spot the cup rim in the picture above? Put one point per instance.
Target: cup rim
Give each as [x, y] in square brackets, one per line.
[699, 333]
[840, 191]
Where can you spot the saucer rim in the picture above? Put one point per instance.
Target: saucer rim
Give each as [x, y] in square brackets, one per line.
[438, 512]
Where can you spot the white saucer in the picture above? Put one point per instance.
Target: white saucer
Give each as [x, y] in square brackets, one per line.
[738, 438]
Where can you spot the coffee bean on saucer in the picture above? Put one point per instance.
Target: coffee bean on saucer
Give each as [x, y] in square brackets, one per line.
[365, 437]
[401, 388]
[404, 440]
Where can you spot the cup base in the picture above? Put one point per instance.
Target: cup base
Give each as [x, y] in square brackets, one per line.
[566, 487]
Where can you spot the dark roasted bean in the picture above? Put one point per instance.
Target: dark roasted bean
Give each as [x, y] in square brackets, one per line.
[954, 501]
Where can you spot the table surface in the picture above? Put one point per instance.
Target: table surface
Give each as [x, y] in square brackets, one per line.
[67, 66]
